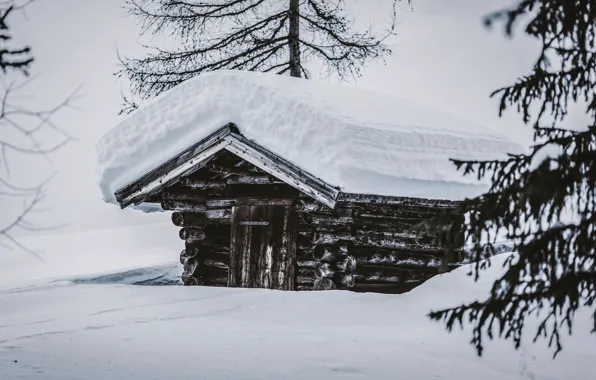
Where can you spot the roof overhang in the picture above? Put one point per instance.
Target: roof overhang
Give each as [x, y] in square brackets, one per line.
[199, 154]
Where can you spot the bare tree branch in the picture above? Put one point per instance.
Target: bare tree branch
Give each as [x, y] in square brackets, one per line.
[254, 35]
[20, 137]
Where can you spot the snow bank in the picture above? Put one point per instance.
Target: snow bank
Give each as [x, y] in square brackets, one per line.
[94, 252]
[361, 141]
[166, 274]
[76, 330]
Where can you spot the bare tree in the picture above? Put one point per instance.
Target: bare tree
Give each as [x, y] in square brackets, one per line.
[20, 134]
[254, 35]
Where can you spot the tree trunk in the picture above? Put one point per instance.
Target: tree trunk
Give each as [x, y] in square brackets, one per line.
[294, 38]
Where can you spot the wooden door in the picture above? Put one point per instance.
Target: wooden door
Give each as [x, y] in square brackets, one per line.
[263, 247]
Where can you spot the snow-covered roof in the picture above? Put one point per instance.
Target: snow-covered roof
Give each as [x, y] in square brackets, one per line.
[360, 141]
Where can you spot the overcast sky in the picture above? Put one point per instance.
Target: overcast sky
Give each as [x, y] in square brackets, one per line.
[443, 57]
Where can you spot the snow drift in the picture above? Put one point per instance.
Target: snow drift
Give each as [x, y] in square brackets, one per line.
[361, 141]
[72, 324]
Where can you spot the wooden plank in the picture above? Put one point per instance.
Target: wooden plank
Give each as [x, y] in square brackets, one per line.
[255, 244]
[264, 253]
[277, 249]
[237, 246]
[289, 243]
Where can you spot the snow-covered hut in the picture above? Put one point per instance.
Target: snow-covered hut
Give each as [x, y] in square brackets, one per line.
[291, 184]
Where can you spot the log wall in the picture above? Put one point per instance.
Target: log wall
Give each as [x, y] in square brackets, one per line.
[361, 245]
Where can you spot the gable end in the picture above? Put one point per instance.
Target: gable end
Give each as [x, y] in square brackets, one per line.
[199, 154]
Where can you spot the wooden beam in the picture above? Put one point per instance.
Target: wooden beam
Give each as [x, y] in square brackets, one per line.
[188, 206]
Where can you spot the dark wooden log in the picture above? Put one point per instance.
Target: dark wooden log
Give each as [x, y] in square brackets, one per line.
[192, 235]
[326, 213]
[403, 242]
[198, 184]
[323, 284]
[186, 254]
[391, 211]
[183, 256]
[188, 206]
[248, 191]
[346, 265]
[324, 270]
[329, 229]
[190, 267]
[219, 202]
[223, 215]
[330, 253]
[180, 198]
[181, 194]
[367, 251]
[406, 243]
[401, 259]
[211, 271]
[309, 206]
[317, 219]
[340, 225]
[344, 281]
[207, 249]
[304, 241]
[305, 276]
[251, 179]
[305, 253]
[341, 281]
[247, 201]
[380, 274]
[384, 225]
[186, 219]
[189, 280]
[305, 280]
[306, 272]
[305, 263]
[216, 264]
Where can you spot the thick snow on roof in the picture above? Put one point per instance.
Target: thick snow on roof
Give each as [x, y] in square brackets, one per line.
[361, 141]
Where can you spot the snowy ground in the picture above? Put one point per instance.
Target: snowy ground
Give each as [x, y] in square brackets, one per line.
[78, 316]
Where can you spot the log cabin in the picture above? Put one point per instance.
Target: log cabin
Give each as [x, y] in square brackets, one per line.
[250, 217]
